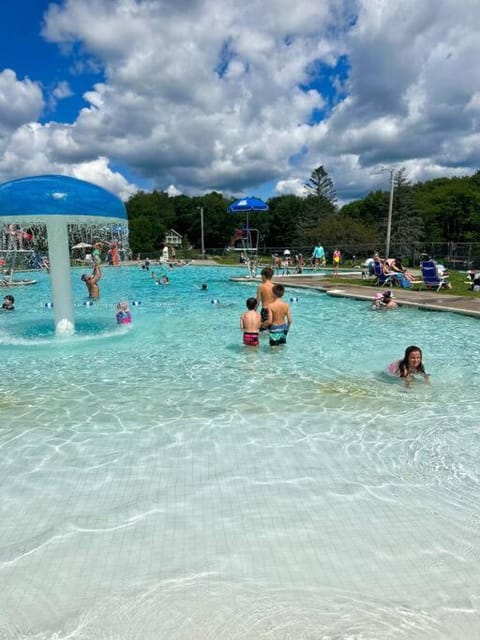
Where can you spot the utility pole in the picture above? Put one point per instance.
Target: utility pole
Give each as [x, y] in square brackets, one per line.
[202, 231]
[390, 211]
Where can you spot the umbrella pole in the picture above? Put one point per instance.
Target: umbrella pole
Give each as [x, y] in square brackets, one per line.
[59, 259]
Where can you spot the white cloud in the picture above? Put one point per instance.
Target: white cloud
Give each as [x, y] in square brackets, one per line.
[211, 95]
[295, 186]
[98, 172]
[62, 91]
[173, 191]
[21, 101]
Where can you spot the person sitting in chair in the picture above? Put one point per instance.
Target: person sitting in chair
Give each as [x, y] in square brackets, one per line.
[397, 267]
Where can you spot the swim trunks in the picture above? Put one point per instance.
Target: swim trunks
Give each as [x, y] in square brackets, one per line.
[264, 317]
[250, 339]
[278, 334]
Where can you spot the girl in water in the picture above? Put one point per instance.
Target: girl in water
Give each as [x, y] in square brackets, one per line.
[123, 313]
[409, 366]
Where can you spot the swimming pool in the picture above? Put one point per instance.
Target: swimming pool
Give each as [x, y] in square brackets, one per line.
[163, 481]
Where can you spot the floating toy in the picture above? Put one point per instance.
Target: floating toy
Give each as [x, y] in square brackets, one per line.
[48, 305]
[136, 303]
[88, 303]
[294, 299]
[215, 301]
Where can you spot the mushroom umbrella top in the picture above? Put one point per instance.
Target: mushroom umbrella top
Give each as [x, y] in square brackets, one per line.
[37, 199]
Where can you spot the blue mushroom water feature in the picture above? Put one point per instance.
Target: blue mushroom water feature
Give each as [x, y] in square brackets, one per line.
[57, 201]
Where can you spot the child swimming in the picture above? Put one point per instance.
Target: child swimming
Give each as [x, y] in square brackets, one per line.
[410, 366]
[123, 313]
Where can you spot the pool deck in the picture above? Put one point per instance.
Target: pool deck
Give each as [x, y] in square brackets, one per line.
[427, 300]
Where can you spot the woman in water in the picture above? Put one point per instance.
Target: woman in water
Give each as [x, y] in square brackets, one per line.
[409, 366]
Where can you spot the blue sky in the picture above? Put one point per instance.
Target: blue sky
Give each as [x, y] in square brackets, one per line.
[25, 51]
[247, 99]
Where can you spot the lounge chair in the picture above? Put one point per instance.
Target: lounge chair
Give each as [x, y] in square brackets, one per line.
[384, 279]
[430, 277]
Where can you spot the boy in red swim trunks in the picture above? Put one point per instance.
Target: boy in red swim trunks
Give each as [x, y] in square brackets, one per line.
[250, 323]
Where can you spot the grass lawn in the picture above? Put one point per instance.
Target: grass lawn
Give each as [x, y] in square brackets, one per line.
[457, 279]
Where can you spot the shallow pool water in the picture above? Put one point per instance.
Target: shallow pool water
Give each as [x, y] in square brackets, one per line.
[161, 480]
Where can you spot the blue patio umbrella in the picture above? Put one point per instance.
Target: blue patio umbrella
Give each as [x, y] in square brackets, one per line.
[248, 204]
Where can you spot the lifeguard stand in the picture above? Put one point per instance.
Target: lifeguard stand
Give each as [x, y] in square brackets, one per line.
[247, 237]
[245, 241]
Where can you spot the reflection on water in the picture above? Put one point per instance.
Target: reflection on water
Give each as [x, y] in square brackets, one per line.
[163, 481]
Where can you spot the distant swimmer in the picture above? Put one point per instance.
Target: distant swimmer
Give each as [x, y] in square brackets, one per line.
[8, 303]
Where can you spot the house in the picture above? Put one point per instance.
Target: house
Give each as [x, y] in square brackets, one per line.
[173, 239]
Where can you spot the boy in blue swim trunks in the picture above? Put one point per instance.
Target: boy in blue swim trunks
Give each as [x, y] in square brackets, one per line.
[279, 317]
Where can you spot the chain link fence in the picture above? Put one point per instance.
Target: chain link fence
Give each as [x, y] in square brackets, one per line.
[460, 255]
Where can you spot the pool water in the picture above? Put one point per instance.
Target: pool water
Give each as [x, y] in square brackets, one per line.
[162, 481]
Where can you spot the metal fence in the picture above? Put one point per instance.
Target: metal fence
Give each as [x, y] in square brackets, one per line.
[461, 255]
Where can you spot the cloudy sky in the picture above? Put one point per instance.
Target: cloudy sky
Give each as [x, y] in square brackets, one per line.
[244, 97]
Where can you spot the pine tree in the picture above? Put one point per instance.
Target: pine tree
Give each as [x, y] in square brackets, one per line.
[319, 203]
[407, 225]
[321, 185]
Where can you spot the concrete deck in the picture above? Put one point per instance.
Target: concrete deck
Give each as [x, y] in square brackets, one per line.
[428, 300]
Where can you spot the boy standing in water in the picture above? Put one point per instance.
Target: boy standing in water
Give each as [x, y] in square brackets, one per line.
[279, 317]
[250, 323]
[265, 294]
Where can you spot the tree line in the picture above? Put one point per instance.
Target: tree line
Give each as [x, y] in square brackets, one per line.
[443, 210]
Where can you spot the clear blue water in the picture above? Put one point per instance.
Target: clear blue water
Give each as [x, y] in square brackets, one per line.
[163, 481]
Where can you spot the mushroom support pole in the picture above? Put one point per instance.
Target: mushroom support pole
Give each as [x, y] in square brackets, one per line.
[59, 259]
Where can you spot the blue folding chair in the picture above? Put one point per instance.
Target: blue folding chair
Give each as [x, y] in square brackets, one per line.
[384, 279]
[430, 277]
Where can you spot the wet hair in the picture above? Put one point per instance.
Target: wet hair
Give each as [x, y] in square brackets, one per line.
[403, 366]
[204, 286]
[267, 272]
[9, 298]
[251, 303]
[278, 290]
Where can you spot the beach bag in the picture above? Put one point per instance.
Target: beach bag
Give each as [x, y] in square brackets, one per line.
[405, 282]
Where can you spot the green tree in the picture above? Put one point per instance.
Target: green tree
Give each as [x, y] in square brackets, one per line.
[319, 203]
[150, 216]
[371, 210]
[346, 233]
[284, 213]
[320, 185]
[450, 208]
[407, 225]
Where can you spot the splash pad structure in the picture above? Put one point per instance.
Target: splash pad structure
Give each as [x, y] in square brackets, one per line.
[57, 201]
